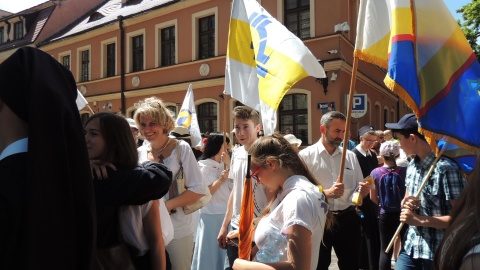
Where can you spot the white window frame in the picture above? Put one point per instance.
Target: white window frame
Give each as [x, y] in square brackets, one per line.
[130, 35]
[79, 62]
[309, 109]
[63, 54]
[158, 43]
[195, 17]
[280, 18]
[103, 53]
[205, 100]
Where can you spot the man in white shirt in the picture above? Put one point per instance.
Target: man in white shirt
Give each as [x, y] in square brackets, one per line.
[323, 160]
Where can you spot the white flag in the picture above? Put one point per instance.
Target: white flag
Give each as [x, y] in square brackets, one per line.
[264, 60]
[187, 117]
[81, 101]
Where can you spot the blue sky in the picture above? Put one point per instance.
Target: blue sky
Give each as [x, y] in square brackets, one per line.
[453, 5]
[19, 5]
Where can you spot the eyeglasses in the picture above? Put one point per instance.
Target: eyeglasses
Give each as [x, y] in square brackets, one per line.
[367, 140]
[254, 174]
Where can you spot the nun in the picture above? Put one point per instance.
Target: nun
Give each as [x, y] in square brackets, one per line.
[47, 212]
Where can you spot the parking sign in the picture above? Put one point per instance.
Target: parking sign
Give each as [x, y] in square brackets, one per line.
[359, 106]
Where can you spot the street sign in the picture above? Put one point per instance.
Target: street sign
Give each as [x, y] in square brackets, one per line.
[359, 106]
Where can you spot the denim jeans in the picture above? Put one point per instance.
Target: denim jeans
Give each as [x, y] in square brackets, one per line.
[405, 262]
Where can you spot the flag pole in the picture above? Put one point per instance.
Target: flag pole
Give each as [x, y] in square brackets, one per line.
[349, 115]
[90, 109]
[417, 194]
[225, 109]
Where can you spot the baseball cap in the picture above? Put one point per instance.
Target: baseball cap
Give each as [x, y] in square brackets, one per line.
[364, 130]
[408, 121]
[390, 148]
[131, 123]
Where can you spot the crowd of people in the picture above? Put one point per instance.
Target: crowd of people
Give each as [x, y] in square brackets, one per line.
[111, 200]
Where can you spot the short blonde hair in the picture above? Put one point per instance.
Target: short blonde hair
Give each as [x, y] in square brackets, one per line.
[154, 108]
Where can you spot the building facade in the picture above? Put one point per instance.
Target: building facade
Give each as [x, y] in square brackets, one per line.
[127, 50]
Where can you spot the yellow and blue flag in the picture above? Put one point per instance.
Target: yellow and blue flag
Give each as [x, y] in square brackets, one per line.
[187, 117]
[432, 67]
[264, 60]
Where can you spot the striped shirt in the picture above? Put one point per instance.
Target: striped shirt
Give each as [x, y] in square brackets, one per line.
[445, 184]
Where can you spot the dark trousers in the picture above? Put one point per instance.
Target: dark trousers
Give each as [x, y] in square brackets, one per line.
[388, 224]
[232, 254]
[370, 248]
[344, 237]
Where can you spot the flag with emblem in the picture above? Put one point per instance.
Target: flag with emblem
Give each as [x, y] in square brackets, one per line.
[431, 66]
[264, 60]
[187, 117]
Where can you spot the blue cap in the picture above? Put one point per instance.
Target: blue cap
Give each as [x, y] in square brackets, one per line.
[364, 130]
[408, 121]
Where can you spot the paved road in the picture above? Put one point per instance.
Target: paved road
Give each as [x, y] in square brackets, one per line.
[333, 264]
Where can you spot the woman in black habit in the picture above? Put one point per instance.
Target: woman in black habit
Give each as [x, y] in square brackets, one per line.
[47, 210]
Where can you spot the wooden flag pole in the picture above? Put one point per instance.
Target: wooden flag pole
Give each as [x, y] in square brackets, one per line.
[349, 115]
[425, 180]
[225, 115]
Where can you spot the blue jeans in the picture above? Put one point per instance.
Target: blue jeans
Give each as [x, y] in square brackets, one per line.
[405, 262]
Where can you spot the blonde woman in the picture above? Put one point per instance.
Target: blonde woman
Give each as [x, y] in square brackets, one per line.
[155, 122]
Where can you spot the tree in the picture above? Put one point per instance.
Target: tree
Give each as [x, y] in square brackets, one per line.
[471, 24]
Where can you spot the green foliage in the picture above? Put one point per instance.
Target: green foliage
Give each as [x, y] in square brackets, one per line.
[471, 24]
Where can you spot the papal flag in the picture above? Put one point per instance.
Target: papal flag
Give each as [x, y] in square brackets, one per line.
[264, 60]
[187, 117]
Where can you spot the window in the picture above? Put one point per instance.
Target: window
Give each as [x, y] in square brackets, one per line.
[168, 46]
[293, 112]
[2, 34]
[206, 37]
[297, 17]
[66, 61]
[110, 50]
[173, 109]
[85, 66]
[137, 53]
[18, 30]
[207, 117]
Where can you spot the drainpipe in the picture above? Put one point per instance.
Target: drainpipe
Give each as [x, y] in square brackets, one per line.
[122, 64]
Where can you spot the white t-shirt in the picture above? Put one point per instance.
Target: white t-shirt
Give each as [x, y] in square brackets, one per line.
[211, 171]
[326, 169]
[299, 203]
[238, 171]
[131, 225]
[182, 223]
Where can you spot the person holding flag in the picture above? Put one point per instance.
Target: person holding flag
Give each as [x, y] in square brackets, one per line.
[429, 214]
[246, 121]
[323, 159]
[290, 230]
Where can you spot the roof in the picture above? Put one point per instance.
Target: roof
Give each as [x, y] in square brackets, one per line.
[109, 12]
[35, 21]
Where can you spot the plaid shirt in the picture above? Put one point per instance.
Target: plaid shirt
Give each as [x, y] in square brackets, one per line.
[445, 184]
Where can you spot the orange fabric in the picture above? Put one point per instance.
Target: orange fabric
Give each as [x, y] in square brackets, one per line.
[245, 229]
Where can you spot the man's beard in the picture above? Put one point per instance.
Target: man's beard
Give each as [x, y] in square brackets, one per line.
[334, 142]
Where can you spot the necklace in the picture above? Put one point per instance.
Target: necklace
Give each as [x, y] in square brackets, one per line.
[156, 152]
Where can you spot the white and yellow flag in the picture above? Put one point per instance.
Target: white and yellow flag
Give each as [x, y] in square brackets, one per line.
[373, 32]
[187, 117]
[264, 60]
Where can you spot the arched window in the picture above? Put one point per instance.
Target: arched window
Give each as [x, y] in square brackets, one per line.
[207, 117]
[293, 115]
